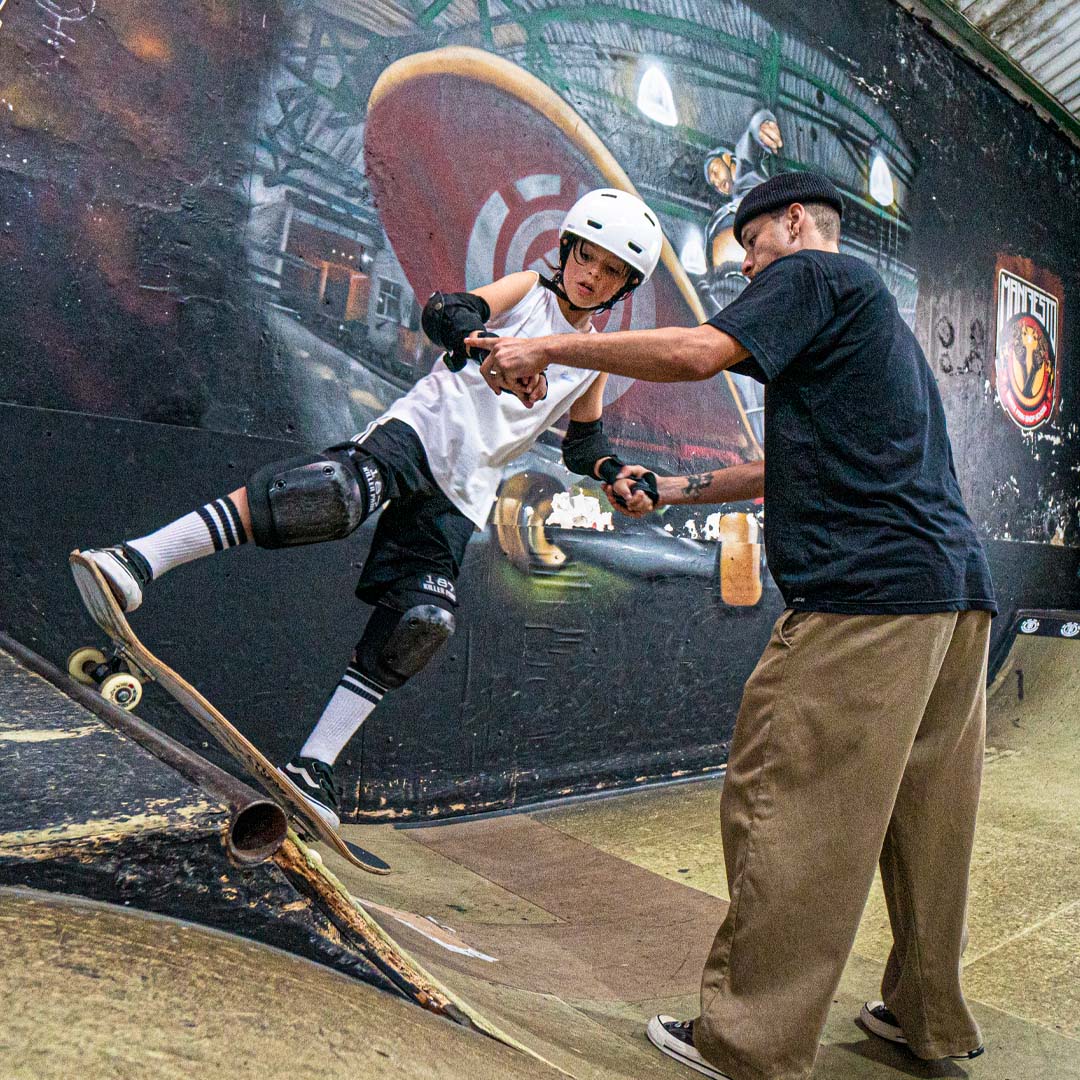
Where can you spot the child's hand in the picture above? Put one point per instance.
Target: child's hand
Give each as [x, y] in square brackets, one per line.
[534, 389]
[634, 492]
[528, 391]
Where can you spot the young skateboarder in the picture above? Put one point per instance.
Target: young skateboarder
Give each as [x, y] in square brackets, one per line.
[433, 460]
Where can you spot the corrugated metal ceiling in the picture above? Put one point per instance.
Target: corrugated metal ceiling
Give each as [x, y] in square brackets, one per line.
[1040, 37]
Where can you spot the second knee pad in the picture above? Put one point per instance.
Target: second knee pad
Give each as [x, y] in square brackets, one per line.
[399, 641]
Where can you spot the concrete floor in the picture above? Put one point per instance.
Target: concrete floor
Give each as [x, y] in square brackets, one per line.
[600, 914]
[105, 993]
[568, 928]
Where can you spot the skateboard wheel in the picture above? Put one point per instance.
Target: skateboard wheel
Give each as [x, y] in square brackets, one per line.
[122, 689]
[82, 661]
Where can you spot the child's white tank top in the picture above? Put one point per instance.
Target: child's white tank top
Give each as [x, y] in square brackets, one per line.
[468, 432]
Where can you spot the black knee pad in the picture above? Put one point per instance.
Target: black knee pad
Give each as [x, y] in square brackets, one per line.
[313, 498]
[406, 629]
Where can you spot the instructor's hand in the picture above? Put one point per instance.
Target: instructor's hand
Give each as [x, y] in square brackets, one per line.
[511, 360]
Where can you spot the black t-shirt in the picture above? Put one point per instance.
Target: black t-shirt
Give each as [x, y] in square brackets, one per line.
[863, 512]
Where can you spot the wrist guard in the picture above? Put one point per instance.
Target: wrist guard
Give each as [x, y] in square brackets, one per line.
[449, 318]
[609, 473]
[647, 483]
[608, 470]
[584, 445]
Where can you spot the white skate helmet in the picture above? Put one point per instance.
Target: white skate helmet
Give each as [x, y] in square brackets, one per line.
[619, 223]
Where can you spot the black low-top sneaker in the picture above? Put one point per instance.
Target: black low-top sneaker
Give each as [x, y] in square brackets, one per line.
[879, 1020]
[315, 780]
[676, 1039]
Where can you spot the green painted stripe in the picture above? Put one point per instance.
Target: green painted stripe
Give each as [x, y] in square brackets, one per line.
[431, 13]
[1003, 63]
[767, 56]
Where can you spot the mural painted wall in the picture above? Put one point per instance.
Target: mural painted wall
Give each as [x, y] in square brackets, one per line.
[223, 218]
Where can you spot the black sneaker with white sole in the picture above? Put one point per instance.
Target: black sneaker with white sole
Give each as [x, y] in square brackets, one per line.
[676, 1039]
[879, 1020]
[316, 782]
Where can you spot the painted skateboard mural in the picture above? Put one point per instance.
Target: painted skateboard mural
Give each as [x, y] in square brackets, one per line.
[455, 226]
[229, 238]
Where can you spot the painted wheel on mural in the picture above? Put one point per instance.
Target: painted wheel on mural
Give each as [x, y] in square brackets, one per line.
[488, 223]
[523, 506]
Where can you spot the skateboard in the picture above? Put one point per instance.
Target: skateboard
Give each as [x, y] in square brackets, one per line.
[121, 672]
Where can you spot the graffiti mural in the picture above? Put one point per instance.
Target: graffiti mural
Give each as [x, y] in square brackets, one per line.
[220, 222]
[353, 226]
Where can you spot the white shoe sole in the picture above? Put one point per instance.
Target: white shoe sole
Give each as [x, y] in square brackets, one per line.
[894, 1034]
[677, 1049]
[879, 1027]
[124, 587]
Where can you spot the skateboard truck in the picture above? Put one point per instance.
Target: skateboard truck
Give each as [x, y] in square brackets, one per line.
[116, 677]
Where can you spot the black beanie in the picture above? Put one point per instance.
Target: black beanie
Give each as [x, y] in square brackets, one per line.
[783, 190]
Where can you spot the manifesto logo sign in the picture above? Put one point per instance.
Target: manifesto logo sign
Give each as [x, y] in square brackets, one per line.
[1028, 322]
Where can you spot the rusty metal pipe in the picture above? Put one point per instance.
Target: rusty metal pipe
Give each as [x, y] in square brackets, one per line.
[257, 825]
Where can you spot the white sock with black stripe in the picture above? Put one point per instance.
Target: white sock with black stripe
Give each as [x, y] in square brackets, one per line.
[213, 527]
[350, 705]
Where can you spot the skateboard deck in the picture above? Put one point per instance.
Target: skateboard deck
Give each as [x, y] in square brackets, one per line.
[106, 612]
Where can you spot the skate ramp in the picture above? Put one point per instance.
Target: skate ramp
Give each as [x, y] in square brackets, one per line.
[101, 992]
[570, 927]
[561, 931]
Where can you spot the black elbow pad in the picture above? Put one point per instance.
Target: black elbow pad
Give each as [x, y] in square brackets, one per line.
[449, 318]
[584, 445]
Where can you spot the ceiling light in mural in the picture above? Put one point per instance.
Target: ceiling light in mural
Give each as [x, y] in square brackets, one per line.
[692, 255]
[882, 189]
[655, 99]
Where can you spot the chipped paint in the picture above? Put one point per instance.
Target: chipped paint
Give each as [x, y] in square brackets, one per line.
[46, 843]
[428, 926]
[47, 735]
[349, 916]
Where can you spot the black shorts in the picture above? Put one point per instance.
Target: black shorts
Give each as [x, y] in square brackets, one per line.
[420, 531]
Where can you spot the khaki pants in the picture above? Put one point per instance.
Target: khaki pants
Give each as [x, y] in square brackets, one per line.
[859, 737]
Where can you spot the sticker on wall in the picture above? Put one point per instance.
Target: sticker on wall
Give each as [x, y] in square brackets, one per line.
[1028, 327]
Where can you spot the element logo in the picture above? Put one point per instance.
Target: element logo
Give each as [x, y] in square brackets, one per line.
[1029, 626]
[1027, 328]
[1070, 629]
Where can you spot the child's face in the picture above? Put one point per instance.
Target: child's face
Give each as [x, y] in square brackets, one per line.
[592, 275]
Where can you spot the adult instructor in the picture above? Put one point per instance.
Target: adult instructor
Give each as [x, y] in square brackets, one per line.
[860, 735]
